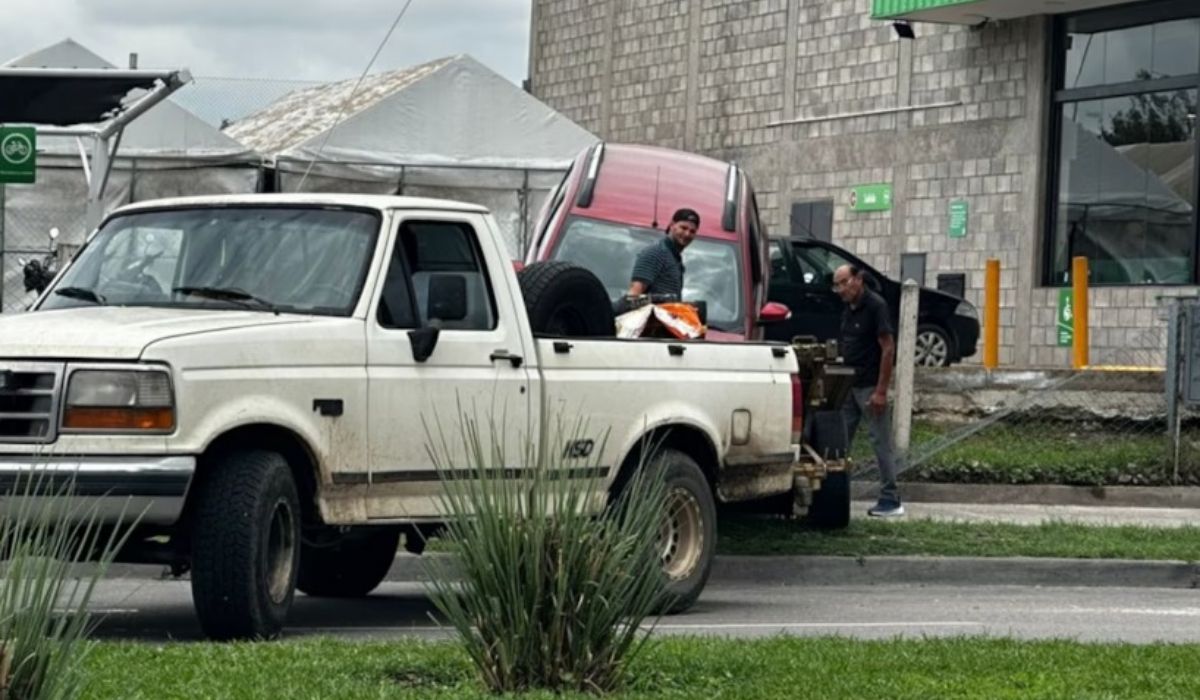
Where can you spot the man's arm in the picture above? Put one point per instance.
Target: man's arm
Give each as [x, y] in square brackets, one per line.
[887, 343]
[636, 288]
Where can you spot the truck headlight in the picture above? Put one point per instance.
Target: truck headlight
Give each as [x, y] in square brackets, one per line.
[967, 310]
[119, 400]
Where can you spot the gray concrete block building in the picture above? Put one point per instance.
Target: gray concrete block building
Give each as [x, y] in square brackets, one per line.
[1031, 131]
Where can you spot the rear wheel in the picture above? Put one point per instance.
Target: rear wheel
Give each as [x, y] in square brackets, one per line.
[245, 546]
[934, 347]
[349, 568]
[687, 533]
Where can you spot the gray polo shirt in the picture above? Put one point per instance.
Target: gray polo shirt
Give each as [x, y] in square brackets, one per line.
[660, 268]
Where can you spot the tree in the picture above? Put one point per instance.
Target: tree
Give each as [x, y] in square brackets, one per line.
[1153, 117]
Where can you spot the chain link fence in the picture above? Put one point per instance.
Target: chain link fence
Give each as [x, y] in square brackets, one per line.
[1107, 425]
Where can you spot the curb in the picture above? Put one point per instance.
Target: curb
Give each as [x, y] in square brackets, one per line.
[1040, 494]
[735, 570]
[956, 571]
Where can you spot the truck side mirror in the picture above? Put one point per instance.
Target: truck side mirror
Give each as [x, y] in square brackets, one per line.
[423, 341]
[447, 297]
[773, 312]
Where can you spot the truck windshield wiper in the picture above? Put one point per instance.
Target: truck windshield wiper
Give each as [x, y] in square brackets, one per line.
[80, 293]
[231, 294]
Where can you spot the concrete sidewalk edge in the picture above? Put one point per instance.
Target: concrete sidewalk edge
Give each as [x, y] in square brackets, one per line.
[958, 571]
[1039, 494]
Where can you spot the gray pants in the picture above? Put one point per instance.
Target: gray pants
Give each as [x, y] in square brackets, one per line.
[853, 411]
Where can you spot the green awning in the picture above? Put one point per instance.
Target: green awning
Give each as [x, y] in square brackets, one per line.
[976, 11]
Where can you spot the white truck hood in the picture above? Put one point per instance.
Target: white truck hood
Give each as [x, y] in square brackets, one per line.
[115, 332]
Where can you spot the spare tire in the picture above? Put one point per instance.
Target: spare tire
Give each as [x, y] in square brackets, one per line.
[565, 300]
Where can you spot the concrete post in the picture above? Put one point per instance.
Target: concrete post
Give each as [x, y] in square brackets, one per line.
[906, 353]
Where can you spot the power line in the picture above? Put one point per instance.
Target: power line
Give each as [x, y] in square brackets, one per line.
[342, 110]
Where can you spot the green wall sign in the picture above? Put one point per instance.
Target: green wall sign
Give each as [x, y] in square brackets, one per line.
[959, 214]
[1065, 320]
[871, 198]
[18, 154]
[884, 9]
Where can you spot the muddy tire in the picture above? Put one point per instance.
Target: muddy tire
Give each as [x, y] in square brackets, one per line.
[245, 546]
[567, 301]
[351, 568]
[687, 540]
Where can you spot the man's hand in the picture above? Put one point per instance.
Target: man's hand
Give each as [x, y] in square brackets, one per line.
[636, 288]
[877, 404]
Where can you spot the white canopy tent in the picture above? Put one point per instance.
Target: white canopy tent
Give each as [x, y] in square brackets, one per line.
[449, 128]
[86, 170]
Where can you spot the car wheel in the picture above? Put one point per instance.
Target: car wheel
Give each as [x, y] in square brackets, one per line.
[934, 347]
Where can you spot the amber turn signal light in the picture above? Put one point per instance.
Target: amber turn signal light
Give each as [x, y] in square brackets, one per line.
[90, 418]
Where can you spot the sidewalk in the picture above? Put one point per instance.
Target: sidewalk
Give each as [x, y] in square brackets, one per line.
[1034, 514]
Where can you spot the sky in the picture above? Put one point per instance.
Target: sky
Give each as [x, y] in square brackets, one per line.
[317, 40]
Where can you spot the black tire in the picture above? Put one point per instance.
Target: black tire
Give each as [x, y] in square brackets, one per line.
[565, 300]
[351, 568]
[689, 539]
[935, 347]
[245, 546]
[830, 508]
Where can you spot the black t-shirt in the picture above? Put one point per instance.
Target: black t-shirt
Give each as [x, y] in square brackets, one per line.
[861, 328]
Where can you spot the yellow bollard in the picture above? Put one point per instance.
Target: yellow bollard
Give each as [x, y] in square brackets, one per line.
[1079, 307]
[991, 315]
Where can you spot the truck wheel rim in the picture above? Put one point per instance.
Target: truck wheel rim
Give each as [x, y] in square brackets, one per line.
[680, 535]
[931, 349]
[281, 552]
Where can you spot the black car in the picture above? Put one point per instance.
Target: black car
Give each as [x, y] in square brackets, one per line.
[802, 277]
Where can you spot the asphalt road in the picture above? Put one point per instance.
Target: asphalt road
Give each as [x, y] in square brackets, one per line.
[137, 605]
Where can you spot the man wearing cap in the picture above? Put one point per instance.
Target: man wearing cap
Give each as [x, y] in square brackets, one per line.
[659, 267]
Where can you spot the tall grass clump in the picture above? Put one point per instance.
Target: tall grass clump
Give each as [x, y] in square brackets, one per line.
[45, 535]
[553, 578]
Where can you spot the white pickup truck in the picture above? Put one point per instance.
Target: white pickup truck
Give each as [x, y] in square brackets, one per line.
[252, 374]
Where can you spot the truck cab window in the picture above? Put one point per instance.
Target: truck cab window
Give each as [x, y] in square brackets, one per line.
[444, 257]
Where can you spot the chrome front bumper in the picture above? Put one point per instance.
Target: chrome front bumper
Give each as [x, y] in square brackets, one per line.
[150, 490]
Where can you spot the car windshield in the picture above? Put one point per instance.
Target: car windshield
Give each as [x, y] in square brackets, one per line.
[712, 274]
[293, 259]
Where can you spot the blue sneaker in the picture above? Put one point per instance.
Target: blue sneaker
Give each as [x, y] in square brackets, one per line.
[886, 509]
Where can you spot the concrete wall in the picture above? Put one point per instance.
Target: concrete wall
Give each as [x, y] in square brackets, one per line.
[714, 76]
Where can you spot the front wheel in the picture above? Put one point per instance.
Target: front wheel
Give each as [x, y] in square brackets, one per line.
[245, 546]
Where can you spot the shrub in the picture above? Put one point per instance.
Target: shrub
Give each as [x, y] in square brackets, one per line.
[554, 578]
[44, 592]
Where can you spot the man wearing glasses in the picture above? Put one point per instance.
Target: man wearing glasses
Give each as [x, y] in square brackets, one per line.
[868, 345]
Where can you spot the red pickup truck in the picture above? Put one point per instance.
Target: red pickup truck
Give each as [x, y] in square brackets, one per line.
[616, 199]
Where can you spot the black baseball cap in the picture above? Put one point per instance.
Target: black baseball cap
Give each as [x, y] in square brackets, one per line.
[686, 214]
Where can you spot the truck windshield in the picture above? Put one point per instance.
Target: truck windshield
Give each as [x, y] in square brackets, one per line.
[712, 270]
[291, 259]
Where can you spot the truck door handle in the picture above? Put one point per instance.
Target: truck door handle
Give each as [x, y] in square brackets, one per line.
[514, 360]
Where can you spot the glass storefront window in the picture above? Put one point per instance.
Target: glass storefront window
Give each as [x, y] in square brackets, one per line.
[1125, 149]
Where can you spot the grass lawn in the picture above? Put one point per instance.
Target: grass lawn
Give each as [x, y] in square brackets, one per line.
[741, 535]
[1035, 452]
[781, 667]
